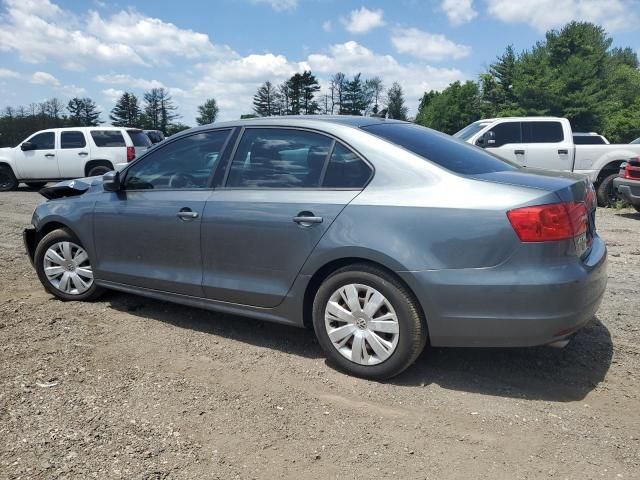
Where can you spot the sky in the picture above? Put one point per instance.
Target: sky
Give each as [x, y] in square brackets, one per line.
[225, 49]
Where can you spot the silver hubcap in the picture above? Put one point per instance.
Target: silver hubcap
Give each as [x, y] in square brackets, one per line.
[67, 267]
[361, 324]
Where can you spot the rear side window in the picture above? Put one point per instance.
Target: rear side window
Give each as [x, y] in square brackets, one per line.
[107, 138]
[73, 139]
[139, 138]
[346, 170]
[279, 158]
[588, 140]
[506, 133]
[446, 151]
[43, 141]
[542, 132]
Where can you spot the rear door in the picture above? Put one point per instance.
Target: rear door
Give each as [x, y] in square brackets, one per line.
[148, 234]
[41, 162]
[280, 196]
[546, 145]
[73, 153]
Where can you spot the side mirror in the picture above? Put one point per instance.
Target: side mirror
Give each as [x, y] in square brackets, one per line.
[489, 139]
[25, 146]
[111, 181]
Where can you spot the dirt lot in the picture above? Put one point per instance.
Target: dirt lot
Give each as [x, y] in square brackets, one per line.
[134, 388]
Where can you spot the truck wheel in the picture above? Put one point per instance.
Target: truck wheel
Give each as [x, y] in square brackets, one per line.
[99, 170]
[8, 180]
[605, 192]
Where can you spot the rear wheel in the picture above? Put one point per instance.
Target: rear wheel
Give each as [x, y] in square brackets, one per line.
[64, 267]
[368, 323]
[99, 170]
[36, 185]
[606, 193]
[8, 180]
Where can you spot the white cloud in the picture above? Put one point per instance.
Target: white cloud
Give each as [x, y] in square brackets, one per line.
[278, 5]
[129, 81]
[44, 78]
[458, 11]
[6, 73]
[428, 46]
[73, 91]
[363, 20]
[327, 26]
[40, 31]
[112, 94]
[545, 14]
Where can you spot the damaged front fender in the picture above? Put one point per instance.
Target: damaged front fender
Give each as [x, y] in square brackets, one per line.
[68, 188]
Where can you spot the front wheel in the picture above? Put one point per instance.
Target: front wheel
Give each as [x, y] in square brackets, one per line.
[8, 180]
[368, 323]
[606, 193]
[64, 267]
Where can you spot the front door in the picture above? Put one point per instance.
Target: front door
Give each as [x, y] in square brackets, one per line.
[148, 234]
[281, 196]
[41, 161]
[546, 146]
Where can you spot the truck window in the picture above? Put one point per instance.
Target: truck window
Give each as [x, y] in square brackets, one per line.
[506, 132]
[107, 138]
[43, 141]
[73, 139]
[542, 132]
[588, 140]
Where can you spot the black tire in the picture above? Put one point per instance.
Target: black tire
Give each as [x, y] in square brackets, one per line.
[412, 335]
[99, 170]
[637, 207]
[36, 185]
[605, 192]
[61, 235]
[8, 180]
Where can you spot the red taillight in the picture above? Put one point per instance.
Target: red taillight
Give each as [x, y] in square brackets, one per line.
[131, 153]
[544, 223]
[632, 169]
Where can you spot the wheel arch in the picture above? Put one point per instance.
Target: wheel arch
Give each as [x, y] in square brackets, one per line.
[97, 163]
[608, 169]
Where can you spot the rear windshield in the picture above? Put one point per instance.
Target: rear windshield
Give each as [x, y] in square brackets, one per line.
[139, 138]
[446, 151]
[107, 138]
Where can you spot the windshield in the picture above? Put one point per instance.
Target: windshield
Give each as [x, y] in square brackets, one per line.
[637, 140]
[470, 130]
[442, 149]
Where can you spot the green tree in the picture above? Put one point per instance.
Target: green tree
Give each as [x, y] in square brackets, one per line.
[176, 127]
[354, 97]
[452, 109]
[375, 89]
[83, 112]
[265, 101]
[126, 112]
[395, 102]
[208, 112]
[159, 110]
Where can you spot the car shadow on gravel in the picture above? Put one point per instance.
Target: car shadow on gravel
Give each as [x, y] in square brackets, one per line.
[633, 215]
[535, 373]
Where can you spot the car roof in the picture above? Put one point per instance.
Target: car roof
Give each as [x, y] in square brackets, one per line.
[521, 119]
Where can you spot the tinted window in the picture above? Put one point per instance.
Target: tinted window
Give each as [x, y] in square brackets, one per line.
[542, 132]
[588, 140]
[139, 138]
[506, 133]
[107, 138]
[446, 151]
[279, 158]
[637, 140]
[43, 141]
[72, 140]
[185, 163]
[346, 170]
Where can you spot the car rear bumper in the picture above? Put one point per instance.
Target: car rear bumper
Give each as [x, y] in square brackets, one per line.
[511, 307]
[628, 189]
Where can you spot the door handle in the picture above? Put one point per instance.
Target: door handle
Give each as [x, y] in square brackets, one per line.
[49, 155]
[83, 153]
[519, 152]
[307, 220]
[187, 214]
[563, 152]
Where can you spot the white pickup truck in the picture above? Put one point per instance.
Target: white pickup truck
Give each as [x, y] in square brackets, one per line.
[547, 142]
[64, 153]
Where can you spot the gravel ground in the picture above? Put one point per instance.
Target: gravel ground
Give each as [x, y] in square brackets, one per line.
[134, 388]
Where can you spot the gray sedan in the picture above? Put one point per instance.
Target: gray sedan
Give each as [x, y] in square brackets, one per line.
[381, 235]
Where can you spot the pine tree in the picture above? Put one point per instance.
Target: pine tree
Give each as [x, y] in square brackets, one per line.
[395, 102]
[265, 100]
[208, 112]
[159, 110]
[83, 112]
[336, 88]
[310, 86]
[354, 98]
[126, 112]
[375, 88]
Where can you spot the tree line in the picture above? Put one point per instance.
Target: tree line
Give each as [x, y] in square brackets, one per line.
[574, 73]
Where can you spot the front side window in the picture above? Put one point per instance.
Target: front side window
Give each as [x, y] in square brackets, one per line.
[186, 163]
[107, 138]
[506, 133]
[346, 170]
[43, 141]
[73, 139]
[542, 132]
[279, 158]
